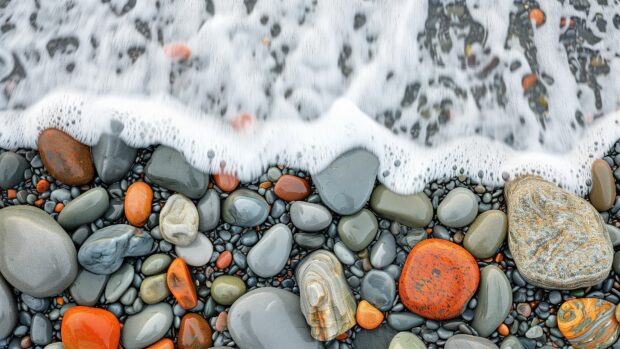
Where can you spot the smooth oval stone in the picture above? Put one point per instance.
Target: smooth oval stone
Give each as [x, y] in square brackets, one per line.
[12, 167]
[36, 255]
[169, 169]
[251, 319]
[208, 211]
[178, 221]
[291, 188]
[310, 217]
[225, 289]
[85, 327]
[511, 342]
[154, 289]
[415, 211]
[118, 283]
[194, 332]
[603, 190]
[486, 234]
[358, 231]
[138, 203]
[198, 253]
[270, 254]
[464, 341]
[494, 300]
[383, 252]
[378, 289]
[616, 262]
[345, 184]
[557, 240]
[84, 209]
[40, 330]
[614, 235]
[88, 287]
[155, 264]
[147, 327]
[66, 159]
[404, 321]
[103, 252]
[379, 338]
[588, 323]
[406, 340]
[309, 241]
[245, 208]
[8, 309]
[343, 253]
[113, 158]
[458, 208]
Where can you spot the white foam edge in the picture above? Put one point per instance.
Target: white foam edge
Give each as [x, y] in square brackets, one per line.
[212, 145]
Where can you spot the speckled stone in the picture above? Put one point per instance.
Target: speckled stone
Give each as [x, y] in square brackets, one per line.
[358, 231]
[458, 208]
[169, 169]
[178, 221]
[269, 256]
[8, 309]
[494, 300]
[411, 210]
[464, 341]
[113, 158]
[12, 167]
[88, 287]
[406, 340]
[486, 234]
[245, 208]
[147, 327]
[557, 239]
[208, 211]
[84, 209]
[310, 217]
[378, 289]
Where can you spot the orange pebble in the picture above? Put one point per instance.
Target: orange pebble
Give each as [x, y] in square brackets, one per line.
[342, 336]
[224, 260]
[537, 16]
[226, 182]
[60, 300]
[221, 323]
[181, 284]
[528, 81]
[162, 344]
[93, 328]
[43, 186]
[138, 201]
[177, 51]
[194, 333]
[242, 121]
[292, 188]
[59, 207]
[11, 193]
[39, 202]
[367, 316]
[503, 330]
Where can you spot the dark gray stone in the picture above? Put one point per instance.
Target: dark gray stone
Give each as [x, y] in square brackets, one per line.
[208, 211]
[8, 309]
[86, 208]
[245, 208]
[169, 169]
[88, 287]
[41, 330]
[383, 251]
[113, 158]
[12, 167]
[494, 300]
[378, 289]
[309, 241]
[404, 321]
[378, 338]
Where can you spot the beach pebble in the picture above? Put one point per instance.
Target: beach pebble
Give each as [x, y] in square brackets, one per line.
[511, 342]
[270, 254]
[225, 181]
[309, 217]
[486, 234]
[406, 340]
[309, 241]
[383, 252]
[198, 253]
[84, 209]
[118, 283]
[291, 188]
[181, 284]
[494, 300]
[113, 158]
[12, 167]
[8, 309]
[84, 327]
[178, 221]
[155, 264]
[88, 287]
[194, 332]
[378, 289]
[343, 253]
[153, 289]
[138, 203]
[458, 208]
[40, 330]
[66, 159]
[588, 323]
[226, 289]
[367, 316]
[614, 234]
[245, 208]
[415, 210]
[404, 321]
[464, 341]
[603, 189]
[359, 230]
[208, 211]
[169, 169]
[381, 337]
[147, 327]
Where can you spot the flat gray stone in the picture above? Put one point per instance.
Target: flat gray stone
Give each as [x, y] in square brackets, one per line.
[88, 287]
[309, 217]
[40, 330]
[147, 327]
[414, 211]
[345, 185]
[494, 300]
[118, 283]
[378, 289]
[36, 255]
[12, 167]
[383, 252]
[169, 169]
[208, 211]
[8, 309]
[404, 321]
[464, 341]
[86, 208]
[198, 253]
[113, 158]
[155, 264]
[379, 338]
[358, 231]
[486, 234]
[252, 317]
[245, 208]
[458, 208]
[343, 253]
[268, 257]
[103, 252]
[309, 241]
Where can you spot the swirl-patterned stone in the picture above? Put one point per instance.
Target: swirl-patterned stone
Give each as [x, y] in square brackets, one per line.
[588, 323]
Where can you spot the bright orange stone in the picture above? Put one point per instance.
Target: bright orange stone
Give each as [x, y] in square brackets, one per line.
[292, 188]
[194, 333]
[66, 159]
[367, 316]
[138, 201]
[221, 323]
[537, 16]
[226, 182]
[92, 328]
[11, 193]
[243, 121]
[59, 207]
[177, 51]
[224, 260]
[342, 336]
[42, 186]
[162, 344]
[503, 330]
[181, 284]
[438, 279]
[528, 81]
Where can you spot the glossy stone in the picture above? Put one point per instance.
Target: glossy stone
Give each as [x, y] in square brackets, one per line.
[88, 287]
[367, 316]
[84, 209]
[406, 340]
[155, 264]
[309, 217]
[194, 333]
[438, 279]
[66, 159]
[118, 283]
[198, 253]
[40, 330]
[309, 241]
[165, 343]
[153, 289]
[588, 323]
[8, 309]
[383, 252]
[169, 169]
[226, 182]
[113, 158]
[147, 327]
[557, 240]
[404, 321]
[415, 211]
[226, 289]
[36, 255]
[603, 189]
[336, 186]
[85, 327]
[358, 231]
[208, 211]
[138, 202]
[181, 284]
[12, 167]
[292, 188]
[464, 341]
[511, 342]
[178, 221]
[458, 208]
[486, 234]
[245, 208]
[494, 300]
[270, 254]
[326, 300]
[379, 289]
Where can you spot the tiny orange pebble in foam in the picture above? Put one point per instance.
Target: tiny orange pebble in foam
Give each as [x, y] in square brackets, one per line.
[537, 16]
[242, 121]
[528, 81]
[177, 51]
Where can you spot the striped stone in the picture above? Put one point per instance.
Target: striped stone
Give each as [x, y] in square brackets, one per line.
[589, 323]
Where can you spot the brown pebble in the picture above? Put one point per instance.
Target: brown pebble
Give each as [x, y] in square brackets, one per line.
[603, 190]
[66, 159]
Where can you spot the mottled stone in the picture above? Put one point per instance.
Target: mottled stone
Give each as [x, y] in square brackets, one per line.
[226, 289]
[486, 234]
[464, 341]
[411, 210]
[494, 300]
[208, 211]
[8, 309]
[86, 208]
[147, 327]
[358, 231]
[104, 251]
[88, 287]
[588, 323]
[118, 283]
[198, 253]
[245, 208]
[345, 185]
[12, 167]
[383, 252]
[603, 189]
[178, 221]
[36, 255]
[379, 289]
[557, 239]
[309, 217]
[169, 169]
[66, 159]
[458, 208]
[153, 289]
[326, 300]
[271, 253]
[113, 158]
[251, 319]
[406, 340]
